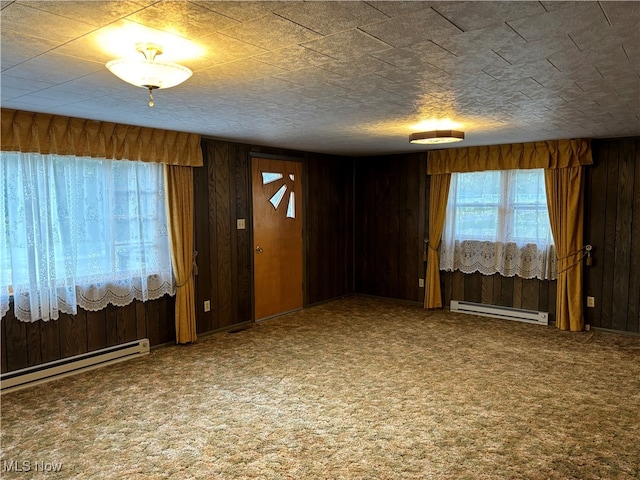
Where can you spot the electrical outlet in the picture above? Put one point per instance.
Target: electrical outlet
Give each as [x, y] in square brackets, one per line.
[207, 305]
[240, 224]
[421, 282]
[591, 301]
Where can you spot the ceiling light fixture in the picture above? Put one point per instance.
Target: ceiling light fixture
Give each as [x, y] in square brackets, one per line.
[436, 136]
[149, 73]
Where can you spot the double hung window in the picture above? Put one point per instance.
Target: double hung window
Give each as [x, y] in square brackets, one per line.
[498, 222]
[80, 231]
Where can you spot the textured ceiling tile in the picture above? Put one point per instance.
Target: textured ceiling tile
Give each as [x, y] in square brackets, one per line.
[395, 8]
[622, 14]
[473, 15]
[327, 18]
[16, 48]
[357, 66]
[602, 40]
[345, 45]
[243, 11]
[526, 52]
[365, 83]
[403, 57]
[403, 31]
[271, 32]
[220, 48]
[310, 77]
[185, 18]
[481, 41]
[540, 69]
[294, 57]
[8, 93]
[46, 68]
[240, 71]
[23, 19]
[319, 91]
[92, 12]
[560, 22]
[30, 84]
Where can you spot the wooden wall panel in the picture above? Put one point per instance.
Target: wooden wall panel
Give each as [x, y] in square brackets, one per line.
[608, 248]
[612, 226]
[34, 349]
[390, 217]
[633, 319]
[203, 241]
[28, 344]
[243, 247]
[49, 340]
[221, 189]
[97, 330]
[329, 228]
[73, 334]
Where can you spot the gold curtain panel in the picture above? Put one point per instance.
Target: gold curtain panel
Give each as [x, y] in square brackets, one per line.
[549, 154]
[52, 134]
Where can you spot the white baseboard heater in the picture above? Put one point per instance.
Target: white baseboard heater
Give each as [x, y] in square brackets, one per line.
[508, 313]
[27, 377]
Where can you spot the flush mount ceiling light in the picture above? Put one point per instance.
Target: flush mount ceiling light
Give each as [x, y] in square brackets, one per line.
[149, 73]
[436, 136]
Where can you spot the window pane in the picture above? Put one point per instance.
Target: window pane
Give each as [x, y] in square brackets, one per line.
[531, 225]
[476, 223]
[529, 187]
[479, 188]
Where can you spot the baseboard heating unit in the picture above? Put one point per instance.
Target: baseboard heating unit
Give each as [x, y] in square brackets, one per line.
[45, 372]
[508, 313]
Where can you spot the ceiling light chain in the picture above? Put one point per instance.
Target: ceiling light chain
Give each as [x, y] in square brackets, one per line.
[151, 102]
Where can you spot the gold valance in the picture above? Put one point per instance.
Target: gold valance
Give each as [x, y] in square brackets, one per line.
[549, 154]
[47, 134]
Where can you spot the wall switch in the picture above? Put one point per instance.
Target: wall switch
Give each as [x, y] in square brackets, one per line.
[591, 301]
[207, 305]
[421, 282]
[240, 223]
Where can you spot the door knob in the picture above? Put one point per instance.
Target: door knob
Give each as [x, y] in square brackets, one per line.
[259, 249]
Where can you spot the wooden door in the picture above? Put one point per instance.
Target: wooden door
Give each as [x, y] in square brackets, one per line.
[277, 236]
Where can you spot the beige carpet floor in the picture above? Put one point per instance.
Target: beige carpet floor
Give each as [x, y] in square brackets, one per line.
[360, 388]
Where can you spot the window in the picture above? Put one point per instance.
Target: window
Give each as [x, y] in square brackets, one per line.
[81, 231]
[498, 222]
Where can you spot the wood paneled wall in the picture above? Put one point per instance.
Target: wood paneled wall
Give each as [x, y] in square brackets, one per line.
[329, 233]
[612, 227]
[28, 344]
[225, 254]
[222, 194]
[517, 292]
[390, 218]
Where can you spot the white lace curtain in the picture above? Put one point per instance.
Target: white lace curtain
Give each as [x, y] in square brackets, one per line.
[80, 232]
[498, 222]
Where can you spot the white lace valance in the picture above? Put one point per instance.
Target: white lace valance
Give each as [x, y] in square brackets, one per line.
[528, 261]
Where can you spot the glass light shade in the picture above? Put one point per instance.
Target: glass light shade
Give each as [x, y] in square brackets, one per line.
[145, 73]
[436, 137]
